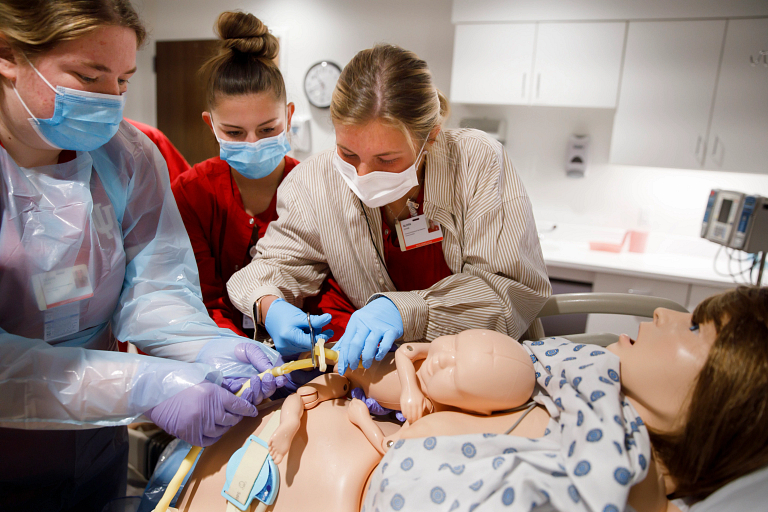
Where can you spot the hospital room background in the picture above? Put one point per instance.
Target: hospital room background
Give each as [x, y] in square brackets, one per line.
[662, 194]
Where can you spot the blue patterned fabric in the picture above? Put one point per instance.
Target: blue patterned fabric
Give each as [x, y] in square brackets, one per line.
[594, 449]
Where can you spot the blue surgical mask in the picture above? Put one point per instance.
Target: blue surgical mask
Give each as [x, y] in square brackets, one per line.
[81, 121]
[254, 160]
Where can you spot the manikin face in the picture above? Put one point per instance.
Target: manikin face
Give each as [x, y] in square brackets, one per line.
[249, 117]
[659, 370]
[101, 61]
[477, 370]
[374, 147]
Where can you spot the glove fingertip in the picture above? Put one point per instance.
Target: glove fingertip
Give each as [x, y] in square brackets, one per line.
[207, 441]
[240, 352]
[321, 320]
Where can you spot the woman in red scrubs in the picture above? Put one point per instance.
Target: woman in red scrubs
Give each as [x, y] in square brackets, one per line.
[227, 202]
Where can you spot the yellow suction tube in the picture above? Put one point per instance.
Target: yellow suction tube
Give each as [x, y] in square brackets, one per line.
[189, 460]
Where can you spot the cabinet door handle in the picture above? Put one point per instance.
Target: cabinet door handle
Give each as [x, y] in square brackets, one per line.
[522, 93]
[698, 146]
[538, 84]
[714, 146]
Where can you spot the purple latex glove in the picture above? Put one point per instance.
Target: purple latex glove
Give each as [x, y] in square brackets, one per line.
[373, 406]
[200, 415]
[260, 388]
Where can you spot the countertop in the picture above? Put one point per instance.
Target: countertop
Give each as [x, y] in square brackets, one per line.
[687, 260]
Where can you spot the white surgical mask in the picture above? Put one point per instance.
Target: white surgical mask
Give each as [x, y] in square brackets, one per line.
[378, 188]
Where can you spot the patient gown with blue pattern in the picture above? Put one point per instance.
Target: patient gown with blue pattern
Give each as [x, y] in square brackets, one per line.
[594, 449]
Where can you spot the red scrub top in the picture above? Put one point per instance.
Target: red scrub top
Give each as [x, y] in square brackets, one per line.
[417, 269]
[176, 163]
[222, 234]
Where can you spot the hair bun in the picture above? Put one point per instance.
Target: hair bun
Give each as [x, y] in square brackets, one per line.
[245, 33]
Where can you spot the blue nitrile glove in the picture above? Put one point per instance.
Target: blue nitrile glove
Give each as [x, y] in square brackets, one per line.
[287, 325]
[371, 331]
[260, 389]
[200, 415]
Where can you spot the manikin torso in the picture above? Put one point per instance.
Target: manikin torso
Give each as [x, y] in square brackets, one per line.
[330, 459]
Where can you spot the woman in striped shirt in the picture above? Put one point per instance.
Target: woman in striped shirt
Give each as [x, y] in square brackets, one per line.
[394, 176]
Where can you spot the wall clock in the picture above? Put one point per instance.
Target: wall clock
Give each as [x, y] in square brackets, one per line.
[320, 82]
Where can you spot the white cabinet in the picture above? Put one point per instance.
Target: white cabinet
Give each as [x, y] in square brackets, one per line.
[618, 324]
[578, 64]
[555, 64]
[667, 88]
[492, 63]
[699, 292]
[687, 295]
[738, 137]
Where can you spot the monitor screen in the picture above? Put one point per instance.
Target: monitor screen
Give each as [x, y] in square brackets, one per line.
[725, 209]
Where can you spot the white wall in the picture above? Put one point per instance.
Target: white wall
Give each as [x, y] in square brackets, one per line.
[310, 31]
[672, 200]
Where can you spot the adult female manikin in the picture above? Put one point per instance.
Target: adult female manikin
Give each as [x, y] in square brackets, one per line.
[92, 248]
[338, 212]
[228, 201]
[697, 383]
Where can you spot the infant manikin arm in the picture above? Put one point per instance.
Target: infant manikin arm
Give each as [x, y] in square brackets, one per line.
[360, 417]
[413, 403]
[290, 420]
[325, 387]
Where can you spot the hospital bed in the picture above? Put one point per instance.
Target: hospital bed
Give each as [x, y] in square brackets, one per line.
[606, 303]
[747, 493]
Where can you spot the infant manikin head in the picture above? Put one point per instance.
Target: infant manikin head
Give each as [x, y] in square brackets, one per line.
[478, 371]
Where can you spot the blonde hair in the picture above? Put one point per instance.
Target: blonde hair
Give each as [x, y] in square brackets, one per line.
[34, 27]
[244, 63]
[393, 85]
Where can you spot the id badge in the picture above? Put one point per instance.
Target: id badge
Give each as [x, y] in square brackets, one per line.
[59, 287]
[61, 321]
[417, 232]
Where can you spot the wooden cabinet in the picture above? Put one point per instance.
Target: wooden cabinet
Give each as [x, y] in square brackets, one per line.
[554, 64]
[738, 137]
[492, 63]
[667, 88]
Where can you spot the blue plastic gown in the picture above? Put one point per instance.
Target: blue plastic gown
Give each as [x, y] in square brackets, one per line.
[91, 250]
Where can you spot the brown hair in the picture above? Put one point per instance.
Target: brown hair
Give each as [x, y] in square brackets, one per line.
[244, 63]
[393, 85]
[34, 27]
[726, 432]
